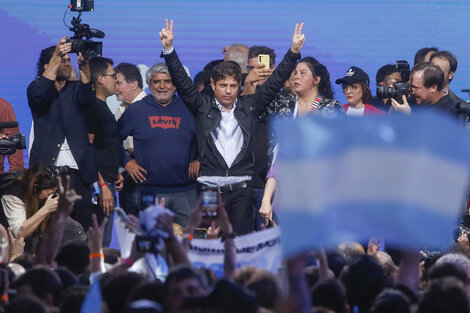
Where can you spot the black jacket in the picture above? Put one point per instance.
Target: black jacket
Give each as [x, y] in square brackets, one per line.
[208, 115]
[57, 115]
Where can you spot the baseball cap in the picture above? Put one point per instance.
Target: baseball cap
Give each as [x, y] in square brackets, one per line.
[354, 75]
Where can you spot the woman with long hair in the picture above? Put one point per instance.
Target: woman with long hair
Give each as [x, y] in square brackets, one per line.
[311, 94]
[29, 200]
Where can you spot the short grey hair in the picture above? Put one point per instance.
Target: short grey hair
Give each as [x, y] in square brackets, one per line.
[157, 68]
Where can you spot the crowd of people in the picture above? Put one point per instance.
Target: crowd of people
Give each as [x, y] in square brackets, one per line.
[184, 138]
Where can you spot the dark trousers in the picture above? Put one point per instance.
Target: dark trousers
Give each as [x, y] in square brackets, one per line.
[83, 208]
[239, 209]
[129, 197]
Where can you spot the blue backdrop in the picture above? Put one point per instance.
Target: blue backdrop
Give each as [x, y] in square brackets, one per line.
[339, 34]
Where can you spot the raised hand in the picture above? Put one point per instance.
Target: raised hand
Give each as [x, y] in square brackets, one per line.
[67, 196]
[62, 48]
[298, 39]
[222, 217]
[166, 36]
[95, 234]
[195, 218]
[258, 73]
[213, 231]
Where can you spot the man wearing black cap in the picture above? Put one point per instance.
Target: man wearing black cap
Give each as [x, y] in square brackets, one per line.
[356, 89]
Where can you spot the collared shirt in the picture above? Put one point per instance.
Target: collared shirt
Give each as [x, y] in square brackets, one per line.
[228, 139]
[128, 143]
[65, 156]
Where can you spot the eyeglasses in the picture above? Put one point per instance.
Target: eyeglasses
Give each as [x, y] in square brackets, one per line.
[113, 75]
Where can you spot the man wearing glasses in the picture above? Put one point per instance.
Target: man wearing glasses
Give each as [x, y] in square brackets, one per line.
[103, 128]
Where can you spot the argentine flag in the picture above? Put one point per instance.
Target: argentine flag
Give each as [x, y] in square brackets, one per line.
[400, 178]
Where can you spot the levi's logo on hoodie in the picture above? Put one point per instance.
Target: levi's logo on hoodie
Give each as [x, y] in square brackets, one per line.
[165, 122]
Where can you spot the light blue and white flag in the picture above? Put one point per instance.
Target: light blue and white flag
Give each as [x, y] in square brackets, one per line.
[92, 302]
[401, 178]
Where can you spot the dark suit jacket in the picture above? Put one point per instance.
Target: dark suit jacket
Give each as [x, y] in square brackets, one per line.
[57, 115]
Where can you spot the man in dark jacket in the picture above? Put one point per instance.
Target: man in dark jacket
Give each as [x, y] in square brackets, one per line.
[60, 129]
[226, 124]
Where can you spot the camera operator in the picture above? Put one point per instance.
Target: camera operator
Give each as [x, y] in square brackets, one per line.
[426, 83]
[15, 160]
[387, 75]
[61, 136]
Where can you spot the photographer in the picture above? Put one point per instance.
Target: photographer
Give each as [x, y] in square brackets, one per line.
[426, 83]
[16, 159]
[386, 76]
[61, 135]
[29, 201]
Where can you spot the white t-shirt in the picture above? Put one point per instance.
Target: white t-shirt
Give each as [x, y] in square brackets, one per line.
[355, 112]
[15, 212]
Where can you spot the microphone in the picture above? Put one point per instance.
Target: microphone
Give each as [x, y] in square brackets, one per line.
[8, 124]
[96, 33]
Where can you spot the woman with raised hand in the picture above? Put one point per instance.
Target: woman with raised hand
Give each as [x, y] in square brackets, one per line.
[311, 94]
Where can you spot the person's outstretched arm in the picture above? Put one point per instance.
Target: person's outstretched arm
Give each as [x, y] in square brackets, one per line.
[183, 83]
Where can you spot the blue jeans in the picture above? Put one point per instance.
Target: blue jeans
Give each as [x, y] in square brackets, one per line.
[129, 198]
[108, 230]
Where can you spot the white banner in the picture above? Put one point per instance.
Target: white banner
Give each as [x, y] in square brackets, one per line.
[261, 249]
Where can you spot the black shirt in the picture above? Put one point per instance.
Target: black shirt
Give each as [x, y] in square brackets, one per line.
[102, 123]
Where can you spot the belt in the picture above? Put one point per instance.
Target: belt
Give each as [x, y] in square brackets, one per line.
[232, 187]
[65, 170]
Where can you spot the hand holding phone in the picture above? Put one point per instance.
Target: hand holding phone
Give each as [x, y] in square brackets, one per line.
[264, 59]
[209, 204]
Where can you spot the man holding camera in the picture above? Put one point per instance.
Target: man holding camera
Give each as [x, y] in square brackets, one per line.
[426, 83]
[61, 135]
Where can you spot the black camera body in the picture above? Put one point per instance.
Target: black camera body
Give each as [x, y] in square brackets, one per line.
[8, 146]
[399, 89]
[87, 47]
